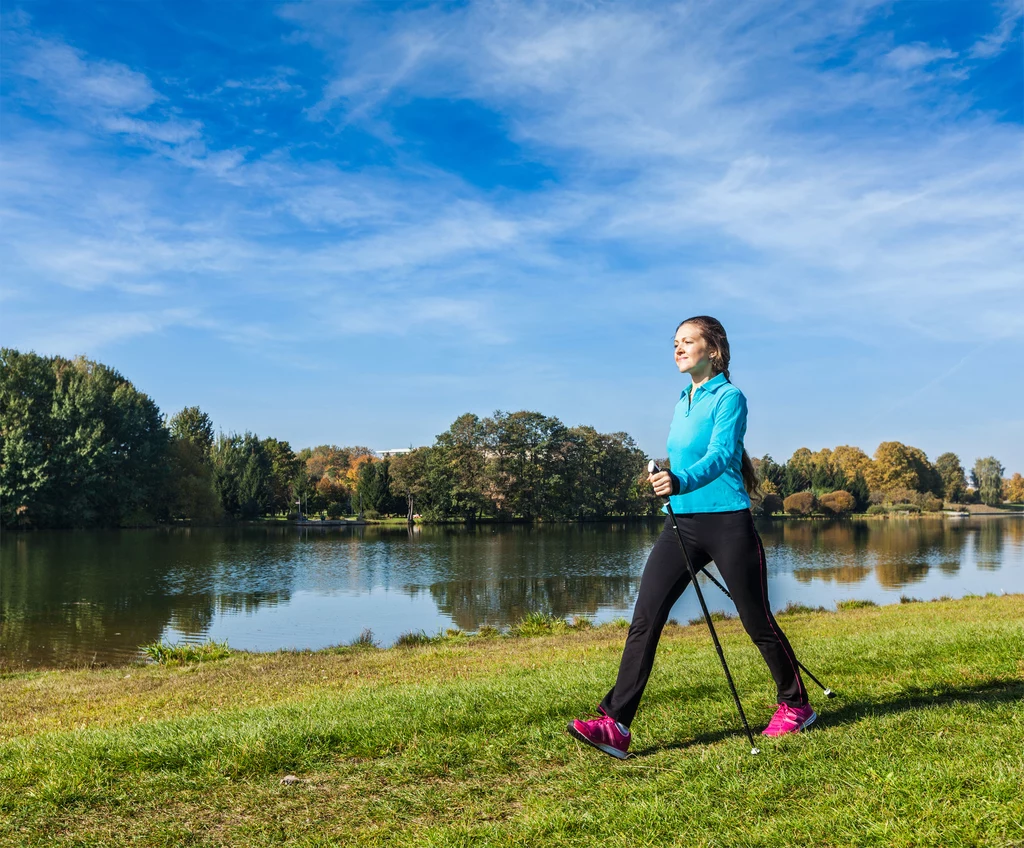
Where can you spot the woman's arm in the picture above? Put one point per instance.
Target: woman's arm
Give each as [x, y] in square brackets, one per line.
[730, 424]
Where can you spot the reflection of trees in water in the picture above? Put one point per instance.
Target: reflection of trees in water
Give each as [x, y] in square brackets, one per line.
[899, 552]
[193, 615]
[842, 574]
[896, 575]
[72, 598]
[820, 536]
[498, 575]
[471, 603]
[988, 544]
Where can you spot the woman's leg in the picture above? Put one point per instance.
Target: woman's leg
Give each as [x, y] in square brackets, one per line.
[664, 579]
[735, 546]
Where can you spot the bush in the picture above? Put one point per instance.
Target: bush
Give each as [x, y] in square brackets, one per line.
[905, 507]
[538, 624]
[928, 502]
[180, 653]
[802, 503]
[877, 509]
[854, 604]
[413, 639]
[793, 608]
[771, 504]
[838, 503]
[364, 641]
[716, 615]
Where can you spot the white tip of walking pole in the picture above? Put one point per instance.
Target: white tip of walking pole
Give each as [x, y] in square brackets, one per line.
[829, 693]
[755, 751]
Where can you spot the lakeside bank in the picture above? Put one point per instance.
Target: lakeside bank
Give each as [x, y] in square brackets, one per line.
[462, 742]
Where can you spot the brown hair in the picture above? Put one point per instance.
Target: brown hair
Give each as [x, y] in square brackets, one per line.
[714, 336]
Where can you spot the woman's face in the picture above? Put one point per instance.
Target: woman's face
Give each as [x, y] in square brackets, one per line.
[691, 351]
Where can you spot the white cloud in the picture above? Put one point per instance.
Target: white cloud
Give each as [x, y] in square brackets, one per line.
[91, 94]
[91, 332]
[90, 84]
[909, 57]
[713, 118]
[995, 42]
[713, 145]
[169, 132]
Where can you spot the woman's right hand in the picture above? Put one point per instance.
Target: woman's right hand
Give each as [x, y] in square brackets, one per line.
[662, 482]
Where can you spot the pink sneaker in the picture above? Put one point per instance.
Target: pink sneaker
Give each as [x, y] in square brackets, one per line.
[604, 734]
[789, 719]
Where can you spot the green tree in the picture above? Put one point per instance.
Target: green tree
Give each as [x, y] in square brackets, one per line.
[284, 465]
[81, 445]
[770, 475]
[374, 488]
[242, 475]
[192, 494]
[929, 481]
[193, 425]
[603, 474]
[28, 435]
[858, 487]
[409, 478]
[525, 463]
[456, 468]
[954, 480]
[987, 476]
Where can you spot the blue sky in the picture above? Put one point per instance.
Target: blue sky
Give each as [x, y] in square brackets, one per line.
[350, 223]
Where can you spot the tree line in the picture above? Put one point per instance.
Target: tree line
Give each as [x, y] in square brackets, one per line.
[898, 477]
[80, 446]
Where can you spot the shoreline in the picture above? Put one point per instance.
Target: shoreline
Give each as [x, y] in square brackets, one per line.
[400, 523]
[532, 626]
[463, 742]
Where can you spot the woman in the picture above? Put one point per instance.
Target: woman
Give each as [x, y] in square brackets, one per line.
[709, 488]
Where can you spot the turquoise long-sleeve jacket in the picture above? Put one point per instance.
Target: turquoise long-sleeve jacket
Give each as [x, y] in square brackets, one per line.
[705, 448]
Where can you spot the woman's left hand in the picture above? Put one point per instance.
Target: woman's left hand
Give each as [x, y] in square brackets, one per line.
[662, 482]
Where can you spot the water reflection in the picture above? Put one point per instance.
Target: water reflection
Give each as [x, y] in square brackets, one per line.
[81, 597]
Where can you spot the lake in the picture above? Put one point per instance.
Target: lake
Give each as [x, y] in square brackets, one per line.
[81, 597]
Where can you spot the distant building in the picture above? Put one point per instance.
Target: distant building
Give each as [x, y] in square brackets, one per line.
[393, 452]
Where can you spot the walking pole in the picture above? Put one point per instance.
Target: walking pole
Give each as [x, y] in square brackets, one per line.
[828, 692]
[652, 468]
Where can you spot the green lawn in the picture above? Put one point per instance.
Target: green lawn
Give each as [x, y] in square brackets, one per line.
[462, 742]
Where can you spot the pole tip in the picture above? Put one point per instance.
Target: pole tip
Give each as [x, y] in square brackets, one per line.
[755, 751]
[829, 693]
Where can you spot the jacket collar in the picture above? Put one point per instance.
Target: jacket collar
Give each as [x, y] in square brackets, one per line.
[711, 386]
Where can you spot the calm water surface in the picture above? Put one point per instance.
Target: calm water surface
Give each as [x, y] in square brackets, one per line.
[71, 598]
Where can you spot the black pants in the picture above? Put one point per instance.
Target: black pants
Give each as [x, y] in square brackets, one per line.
[728, 538]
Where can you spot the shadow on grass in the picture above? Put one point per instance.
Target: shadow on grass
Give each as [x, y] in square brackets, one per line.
[837, 712]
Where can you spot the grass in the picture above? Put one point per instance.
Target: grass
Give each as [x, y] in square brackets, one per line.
[460, 742]
[178, 653]
[853, 604]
